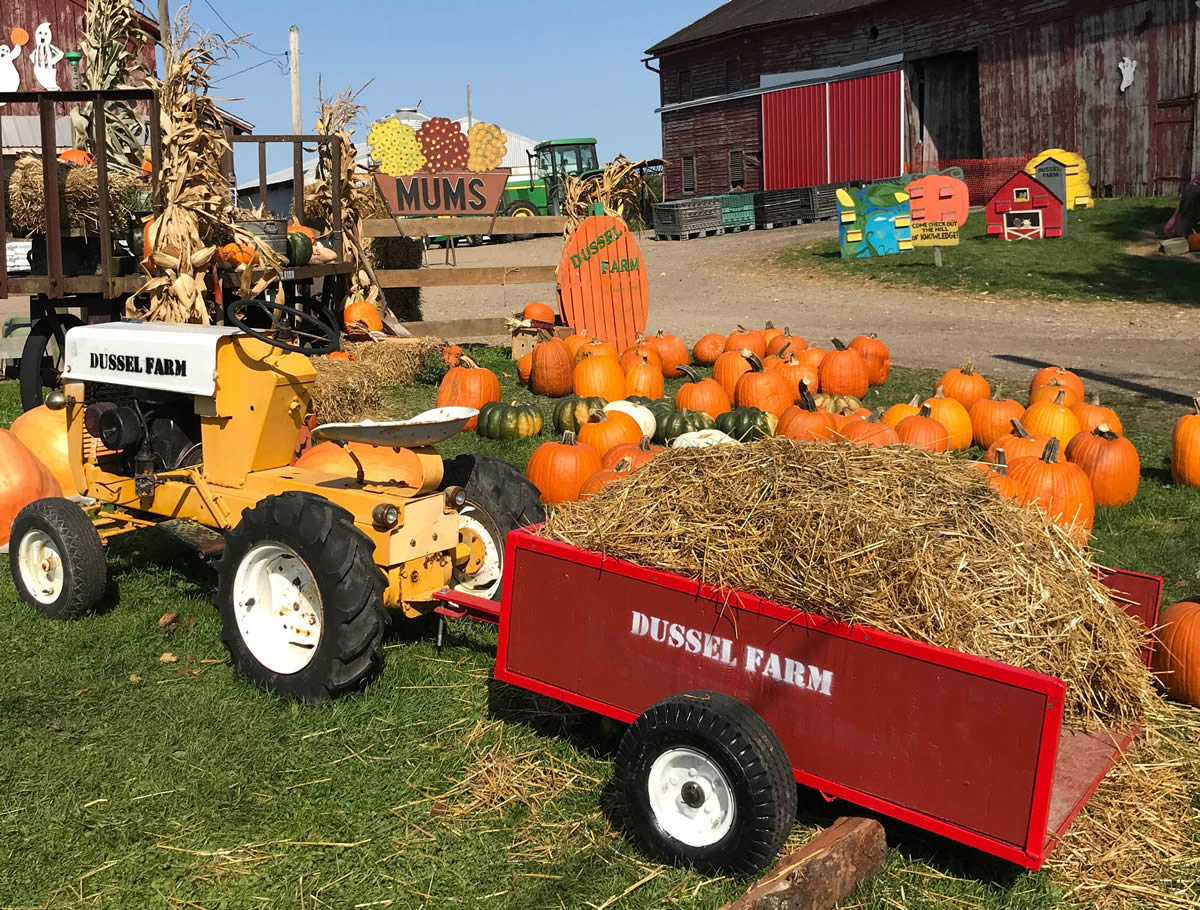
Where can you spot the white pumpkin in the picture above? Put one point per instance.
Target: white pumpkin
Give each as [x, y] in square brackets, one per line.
[640, 413]
[700, 439]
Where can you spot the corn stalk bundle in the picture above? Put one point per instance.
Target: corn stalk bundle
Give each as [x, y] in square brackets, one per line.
[619, 188]
[109, 31]
[79, 196]
[197, 208]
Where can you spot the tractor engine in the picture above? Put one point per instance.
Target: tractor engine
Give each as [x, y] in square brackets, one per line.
[149, 431]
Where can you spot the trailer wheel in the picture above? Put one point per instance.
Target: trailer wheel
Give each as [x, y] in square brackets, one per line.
[301, 599]
[46, 341]
[499, 499]
[706, 783]
[57, 559]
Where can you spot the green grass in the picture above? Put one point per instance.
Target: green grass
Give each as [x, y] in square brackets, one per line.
[1090, 263]
[129, 782]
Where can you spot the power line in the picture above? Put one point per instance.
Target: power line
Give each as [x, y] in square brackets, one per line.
[234, 31]
[239, 72]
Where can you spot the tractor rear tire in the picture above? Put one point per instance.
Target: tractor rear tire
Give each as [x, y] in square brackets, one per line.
[57, 559]
[706, 783]
[301, 599]
[42, 342]
[499, 499]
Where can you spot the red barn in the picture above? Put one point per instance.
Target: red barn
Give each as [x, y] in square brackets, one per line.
[1025, 209]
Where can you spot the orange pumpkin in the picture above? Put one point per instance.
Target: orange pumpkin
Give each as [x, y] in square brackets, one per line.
[876, 357]
[364, 313]
[794, 371]
[954, 417]
[843, 372]
[637, 352]
[1019, 443]
[812, 357]
[367, 464]
[847, 416]
[77, 157]
[150, 235]
[1185, 448]
[1092, 414]
[644, 378]
[1050, 392]
[991, 418]
[786, 340]
[576, 341]
[964, 385]
[339, 355]
[551, 370]
[729, 369]
[869, 431]
[44, 432]
[897, 412]
[698, 394]
[1064, 377]
[23, 480]
[1054, 418]
[760, 389]
[1110, 462]
[468, 385]
[1058, 487]
[599, 377]
[451, 354]
[524, 368]
[751, 339]
[303, 229]
[997, 475]
[671, 351]
[596, 348]
[538, 312]
[605, 429]
[604, 477]
[232, 255]
[923, 432]
[708, 349]
[806, 421]
[769, 334]
[1176, 659]
[559, 469]
[638, 454]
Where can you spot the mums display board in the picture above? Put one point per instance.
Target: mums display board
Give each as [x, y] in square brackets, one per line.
[437, 169]
[602, 281]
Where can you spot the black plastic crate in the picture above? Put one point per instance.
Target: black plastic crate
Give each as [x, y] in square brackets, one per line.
[688, 216]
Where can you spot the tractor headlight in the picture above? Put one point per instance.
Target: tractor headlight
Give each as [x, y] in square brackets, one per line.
[456, 498]
[385, 516]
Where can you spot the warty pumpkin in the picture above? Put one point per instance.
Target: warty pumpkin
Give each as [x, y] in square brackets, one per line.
[1177, 654]
[698, 394]
[1185, 448]
[760, 389]
[729, 369]
[835, 404]
[954, 417]
[1110, 462]
[787, 340]
[1053, 418]
[876, 357]
[964, 385]
[1059, 488]
[1019, 443]
[751, 339]
[638, 454]
[1092, 414]
[232, 255]
[559, 469]
[362, 312]
[671, 351]
[1050, 392]
[991, 418]
[605, 429]
[1064, 376]
[596, 348]
[24, 479]
[644, 378]
[806, 421]
[604, 477]
[552, 368]
[708, 349]
[923, 432]
[468, 385]
[538, 312]
[897, 412]
[842, 372]
[600, 376]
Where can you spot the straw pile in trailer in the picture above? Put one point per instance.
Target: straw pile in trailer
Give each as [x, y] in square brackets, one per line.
[79, 195]
[354, 390]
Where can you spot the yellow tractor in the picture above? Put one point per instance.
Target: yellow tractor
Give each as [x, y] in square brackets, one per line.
[194, 429]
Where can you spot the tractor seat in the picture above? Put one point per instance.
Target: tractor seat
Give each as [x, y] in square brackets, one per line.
[426, 429]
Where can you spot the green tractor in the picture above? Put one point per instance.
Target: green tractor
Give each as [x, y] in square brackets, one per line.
[551, 162]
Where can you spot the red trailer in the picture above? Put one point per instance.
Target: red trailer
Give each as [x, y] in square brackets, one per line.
[731, 697]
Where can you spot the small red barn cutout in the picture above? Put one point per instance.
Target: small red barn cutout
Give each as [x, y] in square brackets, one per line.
[1025, 209]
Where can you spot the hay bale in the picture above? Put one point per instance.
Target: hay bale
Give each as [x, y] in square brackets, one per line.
[347, 391]
[893, 537]
[79, 197]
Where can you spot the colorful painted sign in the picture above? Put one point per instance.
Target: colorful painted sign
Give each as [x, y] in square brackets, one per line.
[437, 169]
[1052, 173]
[1025, 209]
[939, 197]
[603, 287]
[1079, 190]
[934, 233]
[874, 220]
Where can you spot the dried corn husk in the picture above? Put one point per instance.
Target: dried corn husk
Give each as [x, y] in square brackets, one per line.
[618, 188]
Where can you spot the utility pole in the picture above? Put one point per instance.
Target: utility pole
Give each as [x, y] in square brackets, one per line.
[469, 122]
[294, 59]
[164, 24]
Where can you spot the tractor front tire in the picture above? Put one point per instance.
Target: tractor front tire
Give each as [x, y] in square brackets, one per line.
[301, 599]
[57, 559]
[521, 209]
[499, 499]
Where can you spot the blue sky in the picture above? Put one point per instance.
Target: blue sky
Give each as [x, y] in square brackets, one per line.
[543, 69]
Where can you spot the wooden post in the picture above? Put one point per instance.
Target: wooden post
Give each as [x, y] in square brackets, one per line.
[468, 105]
[294, 60]
[937, 256]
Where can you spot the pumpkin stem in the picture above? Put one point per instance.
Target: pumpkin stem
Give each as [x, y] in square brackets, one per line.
[838, 344]
[1050, 453]
[467, 361]
[769, 325]
[624, 466]
[597, 416]
[916, 402]
[968, 368]
[1061, 397]
[742, 329]
[1095, 399]
[806, 400]
[756, 365]
[1104, 431]
[924, 411]
[1000, 465]
[644, 445]
[568, 438]
[940, 393]
[687, 371]
[1196, 404]
[1019, 430]
[783, 351]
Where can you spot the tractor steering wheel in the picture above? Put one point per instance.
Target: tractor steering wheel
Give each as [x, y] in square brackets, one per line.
[291, 329]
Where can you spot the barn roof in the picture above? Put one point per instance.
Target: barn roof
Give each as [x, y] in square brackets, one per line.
[735, 15]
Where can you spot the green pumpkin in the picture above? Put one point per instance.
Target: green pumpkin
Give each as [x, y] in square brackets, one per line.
[515, 420]
[572, 412]
[676, 423]
[835, 404]
[642, 400]
[299, 248]
[747, 424]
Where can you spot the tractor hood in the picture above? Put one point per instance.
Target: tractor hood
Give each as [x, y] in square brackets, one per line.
[159, 356]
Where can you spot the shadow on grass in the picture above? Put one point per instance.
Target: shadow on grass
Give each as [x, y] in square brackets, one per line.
[1110, 379]
[1155, 279]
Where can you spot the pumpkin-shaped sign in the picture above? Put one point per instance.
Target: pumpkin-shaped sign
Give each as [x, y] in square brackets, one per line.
[602, 281]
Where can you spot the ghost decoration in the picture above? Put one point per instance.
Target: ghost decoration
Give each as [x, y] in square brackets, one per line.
[45, 57]
[10, 79]
[1126, 66]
